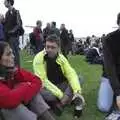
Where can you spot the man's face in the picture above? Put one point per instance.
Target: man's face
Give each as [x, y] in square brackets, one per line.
[51, 48]
[6, 3]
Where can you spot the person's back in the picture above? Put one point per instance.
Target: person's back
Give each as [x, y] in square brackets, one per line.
[54, 30]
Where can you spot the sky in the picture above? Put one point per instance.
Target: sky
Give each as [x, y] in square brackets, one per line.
[85, 17]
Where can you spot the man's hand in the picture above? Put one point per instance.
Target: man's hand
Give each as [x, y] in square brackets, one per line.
[79, 96]
[65, 100]
[118, 102]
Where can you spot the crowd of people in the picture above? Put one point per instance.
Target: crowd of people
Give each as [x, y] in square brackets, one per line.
[54, 83]
[38, 37]
[32, 96]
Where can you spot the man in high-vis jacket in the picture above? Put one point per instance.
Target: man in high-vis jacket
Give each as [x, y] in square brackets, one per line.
[60, 80]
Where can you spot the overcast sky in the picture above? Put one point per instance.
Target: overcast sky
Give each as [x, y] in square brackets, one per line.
[85, 17]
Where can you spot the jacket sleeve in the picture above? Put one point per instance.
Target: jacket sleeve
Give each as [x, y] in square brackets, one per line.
[18, 20]
[33, 88]
[11, 98]
[71, 76]
[110, 66]
[39, 70]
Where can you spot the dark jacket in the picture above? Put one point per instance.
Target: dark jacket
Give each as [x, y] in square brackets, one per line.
[55, 31]
[21, 88]
[12, 23]
[111, 50]
[1, 32]
[46, 32]
[71, 37]
[64, 37]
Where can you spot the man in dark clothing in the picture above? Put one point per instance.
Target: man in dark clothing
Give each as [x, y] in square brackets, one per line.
[46, 31]
[64, 40]
[37, 32]
[12, 24]
[71, 40]
[54, 30]
[111, 50]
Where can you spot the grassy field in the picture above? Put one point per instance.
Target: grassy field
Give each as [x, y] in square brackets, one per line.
[91, 74]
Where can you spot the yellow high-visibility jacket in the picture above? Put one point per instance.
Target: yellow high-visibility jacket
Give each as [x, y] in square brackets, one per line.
[39, 66]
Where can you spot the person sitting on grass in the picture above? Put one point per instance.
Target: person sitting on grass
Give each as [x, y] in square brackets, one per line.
[60, 80]
[20, 98]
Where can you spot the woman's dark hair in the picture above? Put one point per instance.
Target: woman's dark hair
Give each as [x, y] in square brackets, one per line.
[3, 45]
[11, 2]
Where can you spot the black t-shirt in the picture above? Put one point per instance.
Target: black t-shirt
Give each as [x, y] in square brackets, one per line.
[54, 72]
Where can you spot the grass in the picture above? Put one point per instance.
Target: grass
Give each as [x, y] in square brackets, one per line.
[91, 75]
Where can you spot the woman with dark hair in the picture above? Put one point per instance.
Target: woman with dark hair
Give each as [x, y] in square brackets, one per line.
[19, 91]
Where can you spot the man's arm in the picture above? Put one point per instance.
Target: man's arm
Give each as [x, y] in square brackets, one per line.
[72, 76]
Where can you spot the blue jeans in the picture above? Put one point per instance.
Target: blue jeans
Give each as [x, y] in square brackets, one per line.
[14, 44]
[105, 95]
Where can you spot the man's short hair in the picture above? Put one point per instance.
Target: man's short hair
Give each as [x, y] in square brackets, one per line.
[53, 38]
[118, 18]
[11, 2]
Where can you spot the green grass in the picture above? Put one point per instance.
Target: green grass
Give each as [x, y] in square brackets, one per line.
[91, 75]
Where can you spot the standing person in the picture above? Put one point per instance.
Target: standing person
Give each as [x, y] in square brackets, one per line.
[71, 40]
[37, 32]
[54, 29]
[20, 97]
[64, 40]
[46, 31]
[111, 51]
[60, 80]
[12, 26]
[1, 28]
